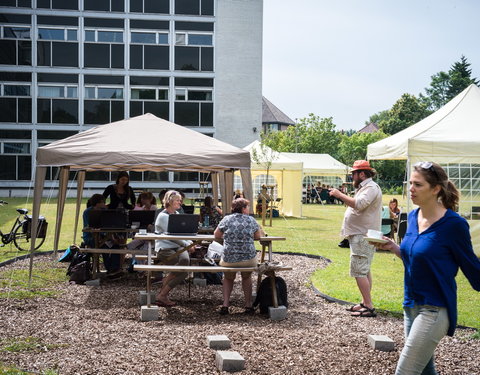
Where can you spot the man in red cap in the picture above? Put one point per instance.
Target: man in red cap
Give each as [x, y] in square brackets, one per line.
[363, 213]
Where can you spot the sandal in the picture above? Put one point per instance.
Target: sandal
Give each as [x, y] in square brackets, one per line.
[353, 309]
[224, 310]
[365, 313]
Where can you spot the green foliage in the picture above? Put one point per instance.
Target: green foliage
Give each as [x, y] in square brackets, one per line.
[311, 134]
[378, 117]
[355, 147]
[407, 111]
[445, 86]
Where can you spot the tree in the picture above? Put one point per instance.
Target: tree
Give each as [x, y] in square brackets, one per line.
[437, 93]
[311, 134]
[378, 117]
[460, 77]
[445, 86]
[354, 147]
[405, 112]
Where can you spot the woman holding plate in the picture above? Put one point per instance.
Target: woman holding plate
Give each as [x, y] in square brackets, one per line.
[437, 243]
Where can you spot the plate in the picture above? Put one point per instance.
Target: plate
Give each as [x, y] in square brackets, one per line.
[373, 239]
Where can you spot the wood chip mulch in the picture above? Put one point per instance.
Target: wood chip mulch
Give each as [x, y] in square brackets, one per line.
[97, 330]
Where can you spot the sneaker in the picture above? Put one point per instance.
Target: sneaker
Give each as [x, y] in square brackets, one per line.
[344, 243]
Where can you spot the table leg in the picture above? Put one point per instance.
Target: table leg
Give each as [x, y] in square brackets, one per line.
[262, 259]
[149, 285]
[271, 274]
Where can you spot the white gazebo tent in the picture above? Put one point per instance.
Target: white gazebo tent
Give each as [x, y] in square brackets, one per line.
[286, 172]
[143, 143]
[450, 137]
[319, 165]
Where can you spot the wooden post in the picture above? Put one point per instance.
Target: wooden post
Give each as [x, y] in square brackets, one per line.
[264, 204]
[271, 274]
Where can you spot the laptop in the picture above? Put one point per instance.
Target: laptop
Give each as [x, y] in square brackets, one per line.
[144, 217]
[183, 224]
[108, 219]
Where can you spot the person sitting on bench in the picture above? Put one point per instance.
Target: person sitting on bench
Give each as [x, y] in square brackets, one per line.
[167, 248]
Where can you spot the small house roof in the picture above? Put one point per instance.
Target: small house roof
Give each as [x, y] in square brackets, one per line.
[272, 115]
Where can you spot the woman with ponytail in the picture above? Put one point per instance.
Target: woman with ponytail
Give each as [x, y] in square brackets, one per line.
[436, 245]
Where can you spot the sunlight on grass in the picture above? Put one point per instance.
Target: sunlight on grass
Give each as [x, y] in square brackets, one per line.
[27, 344]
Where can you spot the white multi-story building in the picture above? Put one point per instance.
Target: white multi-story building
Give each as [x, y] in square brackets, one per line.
[69, 65]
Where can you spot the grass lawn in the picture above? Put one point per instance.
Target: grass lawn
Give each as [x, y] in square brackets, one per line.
[317, 233]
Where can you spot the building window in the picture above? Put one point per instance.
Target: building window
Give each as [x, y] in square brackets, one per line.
[193, 106]
[58, 4]
[106, 49]
[15, 103]
[194, 7]
[193, 39]
[15, 45]
[150, 6]
[264, 179]
[57, 104]
[194, 58]
[149, 100]
[149, 57]
[17, 3]
[48, 33]
[104, 5]
[145, 37]
[16, 160]
[186, 176]
[103, 104]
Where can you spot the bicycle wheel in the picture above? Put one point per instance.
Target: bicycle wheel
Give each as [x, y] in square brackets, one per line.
[21, 239]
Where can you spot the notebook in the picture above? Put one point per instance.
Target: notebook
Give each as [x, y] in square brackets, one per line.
[144, 217]
[116, 219]
[183, 224]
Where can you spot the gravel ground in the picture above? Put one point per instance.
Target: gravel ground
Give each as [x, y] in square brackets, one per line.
[98, 331]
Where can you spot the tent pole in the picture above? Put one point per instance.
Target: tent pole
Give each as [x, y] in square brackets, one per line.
[40, 173]
[221, 177]
[228, 190]
[246, 175]
[80, 184]
[62, 192]
[214, 178]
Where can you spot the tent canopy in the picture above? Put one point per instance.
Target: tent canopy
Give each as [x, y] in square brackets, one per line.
[319, 164]
[142, 143]
[279, 160]
[450, 134]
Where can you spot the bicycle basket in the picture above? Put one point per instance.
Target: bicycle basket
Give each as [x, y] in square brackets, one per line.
[41, 230]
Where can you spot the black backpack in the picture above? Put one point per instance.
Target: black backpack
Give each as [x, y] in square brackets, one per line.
[80, 268]
[264, 294]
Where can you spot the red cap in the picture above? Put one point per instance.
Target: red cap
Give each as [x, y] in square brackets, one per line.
[361, 165]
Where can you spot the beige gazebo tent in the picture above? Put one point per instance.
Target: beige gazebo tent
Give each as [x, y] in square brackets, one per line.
[143, 143]
[450, 137]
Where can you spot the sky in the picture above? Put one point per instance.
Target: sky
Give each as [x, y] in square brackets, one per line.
[350, 59]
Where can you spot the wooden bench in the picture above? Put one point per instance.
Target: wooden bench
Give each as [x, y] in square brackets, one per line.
[96, 255]
[160, 267]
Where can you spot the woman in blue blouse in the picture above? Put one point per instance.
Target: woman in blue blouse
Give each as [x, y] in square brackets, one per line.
[238, 231]
[437, 243]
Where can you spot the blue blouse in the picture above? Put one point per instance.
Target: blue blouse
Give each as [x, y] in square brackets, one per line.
[432, 259]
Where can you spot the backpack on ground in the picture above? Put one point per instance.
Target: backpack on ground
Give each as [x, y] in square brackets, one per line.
[80, 269]
[69, 254]
[264, 294]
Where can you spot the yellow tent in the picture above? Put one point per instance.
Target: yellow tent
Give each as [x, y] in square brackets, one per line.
[283, 172]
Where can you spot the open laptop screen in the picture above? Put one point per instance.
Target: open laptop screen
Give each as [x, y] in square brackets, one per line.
[184, 224]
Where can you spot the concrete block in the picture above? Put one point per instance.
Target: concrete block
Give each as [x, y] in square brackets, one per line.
[149, 313]
[381, 342]
[94, 282]
[200, 282]
[142, 297]
[218, 342]
[277, 313]
[229, 361]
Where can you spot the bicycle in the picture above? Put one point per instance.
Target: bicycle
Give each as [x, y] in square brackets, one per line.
[20, 233]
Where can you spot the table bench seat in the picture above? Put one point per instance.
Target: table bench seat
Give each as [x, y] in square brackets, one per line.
[160, 267]
[113, 251]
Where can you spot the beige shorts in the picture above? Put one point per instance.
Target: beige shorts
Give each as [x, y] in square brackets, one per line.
[246, 263]
[361, 256]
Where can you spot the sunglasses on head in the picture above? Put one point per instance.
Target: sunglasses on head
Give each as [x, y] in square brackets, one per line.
[427, 165]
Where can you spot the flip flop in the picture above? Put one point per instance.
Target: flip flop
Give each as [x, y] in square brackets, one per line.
[365, 313]
[353, 309]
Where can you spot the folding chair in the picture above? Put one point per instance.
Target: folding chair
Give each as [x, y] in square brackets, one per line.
[402, 226]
